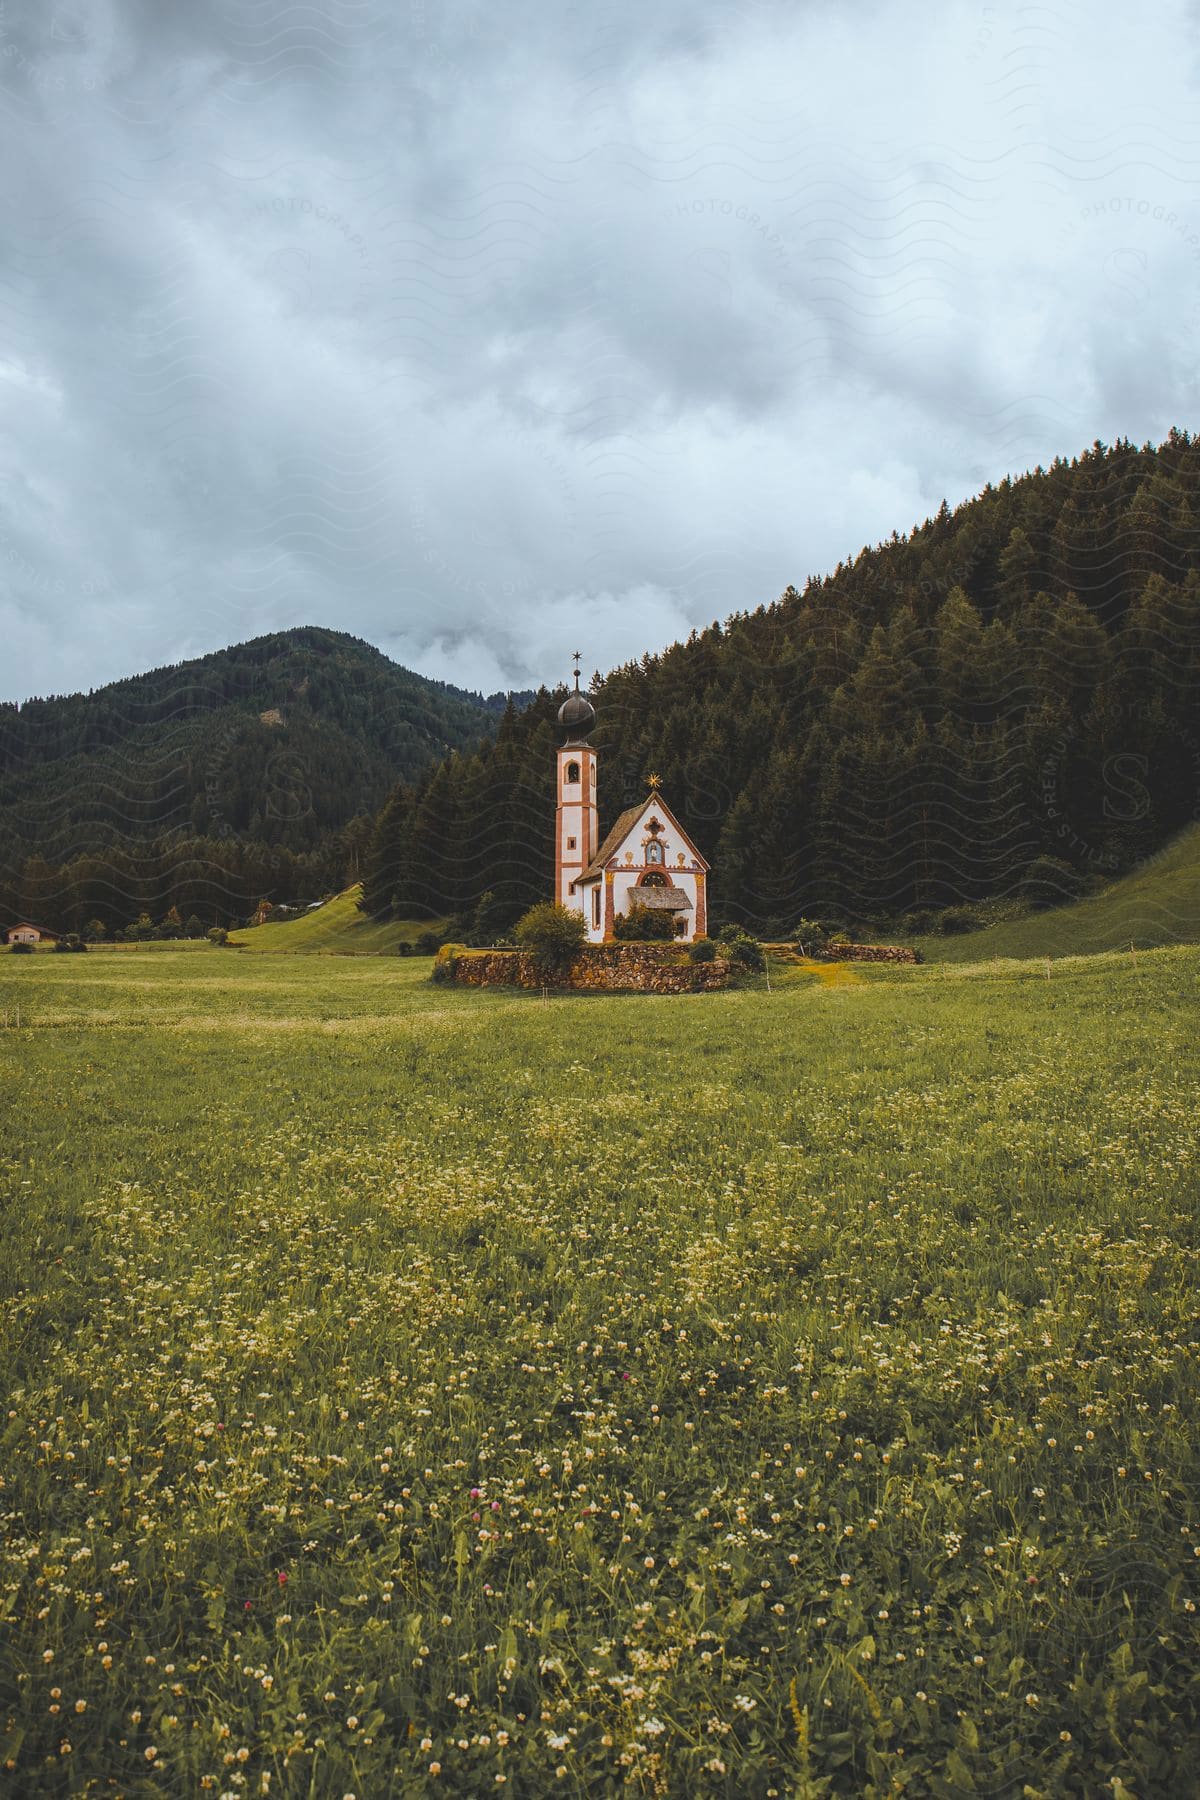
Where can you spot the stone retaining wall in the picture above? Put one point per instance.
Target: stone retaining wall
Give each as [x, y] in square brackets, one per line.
[599, 968]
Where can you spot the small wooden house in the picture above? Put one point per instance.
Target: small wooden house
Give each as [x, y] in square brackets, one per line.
[25, 933]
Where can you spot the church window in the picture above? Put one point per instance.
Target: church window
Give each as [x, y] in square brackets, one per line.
[654, 878]
[596, 905]
[654, 851]
[572, 771]
[570, 843]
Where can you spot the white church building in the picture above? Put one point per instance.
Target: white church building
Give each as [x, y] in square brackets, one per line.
[647, 859]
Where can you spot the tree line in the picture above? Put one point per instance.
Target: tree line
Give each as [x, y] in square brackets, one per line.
[218, 881]
[1001, 703]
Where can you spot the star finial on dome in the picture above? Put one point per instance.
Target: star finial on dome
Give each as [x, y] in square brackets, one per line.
[654, 782]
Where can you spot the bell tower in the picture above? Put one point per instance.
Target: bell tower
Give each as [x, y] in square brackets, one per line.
[577, 818]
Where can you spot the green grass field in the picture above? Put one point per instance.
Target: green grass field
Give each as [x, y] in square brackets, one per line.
[414, 1391]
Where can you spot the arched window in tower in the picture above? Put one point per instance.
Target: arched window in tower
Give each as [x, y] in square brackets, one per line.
[572, 771]
[653, 878]
[654, 851]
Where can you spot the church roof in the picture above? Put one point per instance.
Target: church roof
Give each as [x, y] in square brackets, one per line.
[662, 899]
[621, 830]
[612, 842]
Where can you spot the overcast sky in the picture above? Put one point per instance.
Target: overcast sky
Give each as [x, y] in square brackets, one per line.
[488, 331]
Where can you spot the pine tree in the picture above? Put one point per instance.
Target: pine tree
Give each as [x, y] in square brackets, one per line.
[958, 634]
[1017, 573]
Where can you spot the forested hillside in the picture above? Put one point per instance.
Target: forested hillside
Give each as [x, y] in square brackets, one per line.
[1002, 702]
[253, 771]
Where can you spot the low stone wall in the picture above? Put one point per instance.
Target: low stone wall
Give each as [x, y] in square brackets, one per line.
[868, 953]
[599, 968]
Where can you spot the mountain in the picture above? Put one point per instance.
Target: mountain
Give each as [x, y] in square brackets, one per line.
[254, 769]
[1003, 702]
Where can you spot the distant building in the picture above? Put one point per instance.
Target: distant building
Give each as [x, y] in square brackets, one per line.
[30, 934]
[647, 859]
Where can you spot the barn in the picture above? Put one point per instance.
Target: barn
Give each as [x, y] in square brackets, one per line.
[25, 933]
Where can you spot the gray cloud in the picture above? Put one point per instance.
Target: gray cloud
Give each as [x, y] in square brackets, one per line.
[481, 332]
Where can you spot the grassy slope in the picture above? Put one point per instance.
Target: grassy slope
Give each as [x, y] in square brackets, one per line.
[873, 1291]
[1157, 904]
[337, 928]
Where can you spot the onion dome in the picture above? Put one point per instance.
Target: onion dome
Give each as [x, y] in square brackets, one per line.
[576, 715]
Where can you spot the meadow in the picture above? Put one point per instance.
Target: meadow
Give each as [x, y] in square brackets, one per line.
[415, 1391]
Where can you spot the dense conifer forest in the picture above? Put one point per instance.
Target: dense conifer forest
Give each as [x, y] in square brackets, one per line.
[1002, 703]
[251, 772]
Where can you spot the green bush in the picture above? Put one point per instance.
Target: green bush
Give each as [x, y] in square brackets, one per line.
[1048, 881]
[920, 922]
[810, 935]
[644, 925]
[21, 949]
[740, 947]
[427, 943]
[444, 962]
[956, 921]
[552, 935]
[701, 950]
[70, 945]
[217, 934]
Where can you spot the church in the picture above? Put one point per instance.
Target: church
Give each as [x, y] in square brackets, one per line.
[647, 859]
